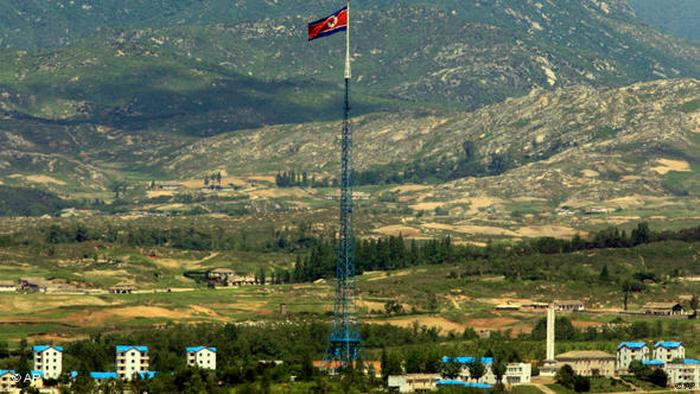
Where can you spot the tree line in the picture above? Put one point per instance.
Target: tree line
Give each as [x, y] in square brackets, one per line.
[302, 179]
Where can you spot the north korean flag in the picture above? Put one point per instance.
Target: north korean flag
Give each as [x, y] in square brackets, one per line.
[329, 25]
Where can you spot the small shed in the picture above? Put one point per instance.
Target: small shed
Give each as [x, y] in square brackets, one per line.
[664, 309]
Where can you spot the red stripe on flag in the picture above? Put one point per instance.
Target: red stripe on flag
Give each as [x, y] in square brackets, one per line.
[329, 25]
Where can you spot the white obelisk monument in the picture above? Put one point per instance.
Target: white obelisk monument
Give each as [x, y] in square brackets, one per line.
[549, 367]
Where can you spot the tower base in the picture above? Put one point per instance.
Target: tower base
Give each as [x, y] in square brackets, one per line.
[549, 368]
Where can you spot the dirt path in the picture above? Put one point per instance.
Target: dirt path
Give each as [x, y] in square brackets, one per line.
[545, 389]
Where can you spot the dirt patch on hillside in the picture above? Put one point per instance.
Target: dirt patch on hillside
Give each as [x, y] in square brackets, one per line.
[106, 273]
[667, 165]
[409, 188]
[262, 178]
[398, 229]
[590, 173]
[176, 264]
[428, 206]
[200, 310]
[159, 193]
[586, 324]
[26, 304]
[494, 323]
[55, 338]
[553, 231]
[428, 321]
[471, 229]
[43, 179]
[100, 317]
[276, 193]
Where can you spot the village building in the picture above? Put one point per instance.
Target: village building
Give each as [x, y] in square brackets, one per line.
[229, 278]
[33, 285]
[569, 306]
[201, 357]
[7, 379]
[49, 360]
[103, 375]
[631, 351]
[588, 362]
[508, 307]
[121, 289]
[410, 383]
[131, 360]
[664, 309]
[516, 373]
[684, 374]
[7, 286]
[534, 306]
[668, 351]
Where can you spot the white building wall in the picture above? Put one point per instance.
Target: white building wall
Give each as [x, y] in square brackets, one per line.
[625, 356]
[131, 362]
[668, 355]
[204, 358]
[49, 362]
[684, 377]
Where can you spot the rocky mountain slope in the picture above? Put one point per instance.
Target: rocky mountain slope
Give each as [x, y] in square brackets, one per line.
[571, 141]
[193, 67]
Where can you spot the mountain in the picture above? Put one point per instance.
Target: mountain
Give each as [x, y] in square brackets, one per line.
[678, 17]
[147, 69]
[597, 136]
[140, 90]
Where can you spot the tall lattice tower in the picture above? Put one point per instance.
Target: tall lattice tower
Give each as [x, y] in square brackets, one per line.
[344, 341]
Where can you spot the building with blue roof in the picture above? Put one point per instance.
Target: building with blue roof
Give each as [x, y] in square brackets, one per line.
[104, 375]
[460, 383]
[132, 359]
[49, 360]
[683, 374]
[7, 379]
[516, 373]
[201, 357]
[147, 375]
[467, 360]
[668, 351]
[653, 363]
[630, 351]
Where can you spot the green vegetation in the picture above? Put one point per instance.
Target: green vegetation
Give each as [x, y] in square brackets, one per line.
[28, 202]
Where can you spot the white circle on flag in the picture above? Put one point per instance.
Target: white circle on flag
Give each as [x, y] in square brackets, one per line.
[332, 21]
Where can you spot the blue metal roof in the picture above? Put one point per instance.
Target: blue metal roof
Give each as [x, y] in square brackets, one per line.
[453, 382]
[690, 361]
[6, 371]
[126, 348]
[103, 375]
[38, 373]
[450, 382]
[652, 362]
[41, 348]
[147, 374]
[631, 345]
[467, 359]
[669, 344]
[73, 374]
[199, 348]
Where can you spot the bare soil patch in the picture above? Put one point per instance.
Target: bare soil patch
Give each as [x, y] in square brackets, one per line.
[668, 165]
[398, 229]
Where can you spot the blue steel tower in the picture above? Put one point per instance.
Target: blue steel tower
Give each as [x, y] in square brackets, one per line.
[344, 341]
